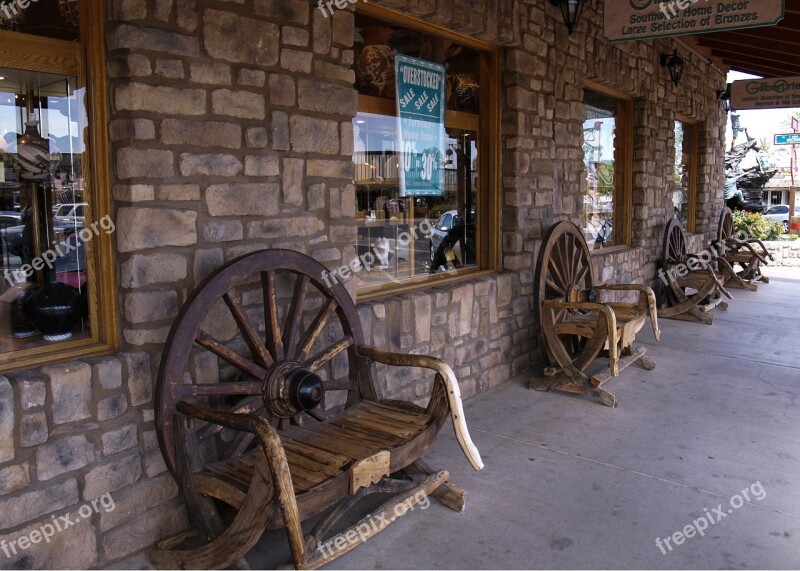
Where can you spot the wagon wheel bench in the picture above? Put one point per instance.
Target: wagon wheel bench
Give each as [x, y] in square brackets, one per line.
[291, 427]
[748, 254]
[693, 287]
[577, 326]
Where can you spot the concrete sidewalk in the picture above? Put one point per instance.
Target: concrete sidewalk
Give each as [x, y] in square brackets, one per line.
[570, 483]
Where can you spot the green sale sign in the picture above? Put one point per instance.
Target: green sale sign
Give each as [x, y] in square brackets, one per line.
[421, 111]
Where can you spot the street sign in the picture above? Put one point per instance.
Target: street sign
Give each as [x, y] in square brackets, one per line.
[787, 139]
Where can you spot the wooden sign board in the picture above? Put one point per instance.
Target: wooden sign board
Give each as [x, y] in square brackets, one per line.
[626, 20]
[774, 93]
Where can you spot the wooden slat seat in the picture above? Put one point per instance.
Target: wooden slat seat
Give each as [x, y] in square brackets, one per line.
[325, 450]
[629, 320]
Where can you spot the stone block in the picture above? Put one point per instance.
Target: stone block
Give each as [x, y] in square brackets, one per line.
[136, 371]
[240, 104]
[292, 36]
[252, 77]
[285, 227]
[14, 478]
[260, 165]
[139, 337]
[130, 10]
[142, 228]
[133, 501]
[239, 39]
[323, 96]
[119, 440]
[280, 131]
[64, 455]
[282, 90]
[293, 181]
[206, 262]
[170, 68]
[7, 420]
[223, 231]
[321, 33]
[140, 38]
[243, 199]
[160, 99]
[138, 163]
[257, 138]
[33, 429]
[71, 387]
[422, 318]
[210, 165]
[146, 529]
[316, 196]
[133, 192]
[295, 11]
[112, 407]
[179, 192]
[73, 548]
[145, 307]
[112, 476]
[153, 460]
[210, 73]
[201, 133]
[314, 135]
[147, 269]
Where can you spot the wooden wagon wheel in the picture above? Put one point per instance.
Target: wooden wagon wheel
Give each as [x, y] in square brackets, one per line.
[564, 273]
[303, 356]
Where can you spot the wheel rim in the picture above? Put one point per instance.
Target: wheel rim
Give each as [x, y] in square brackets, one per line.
[564, 273]
[270, 370]
[725, 226]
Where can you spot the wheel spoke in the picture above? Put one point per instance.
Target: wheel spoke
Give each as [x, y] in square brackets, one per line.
[251, 336]
[555, 271]
[246, 406]
[326, 355]
[295, 317]
[581, 274]
[316, 328]
[274, 341]
[239, 444]
[316, 415]
[221, 389]
[340, 385]
[205, 340]
[552, 285]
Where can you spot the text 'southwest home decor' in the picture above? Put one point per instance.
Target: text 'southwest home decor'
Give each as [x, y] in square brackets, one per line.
[774, 93]
[646, 19]
[420, 110]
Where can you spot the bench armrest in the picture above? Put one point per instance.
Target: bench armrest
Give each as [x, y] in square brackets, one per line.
[646, 296]
[611, 323]
[277, 464]
[445, 375]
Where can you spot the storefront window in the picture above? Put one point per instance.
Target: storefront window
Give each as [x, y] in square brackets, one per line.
[403, 238]
[50, 227]
[685, 182]
[606, 168]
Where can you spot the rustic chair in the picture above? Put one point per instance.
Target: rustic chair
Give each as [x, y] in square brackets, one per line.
[748, 254]
[577, 325]
[290, 426]
[692, 284]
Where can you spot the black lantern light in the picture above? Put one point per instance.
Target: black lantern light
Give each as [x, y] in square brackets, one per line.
[725, 98]
[674, 64]
[570, 10]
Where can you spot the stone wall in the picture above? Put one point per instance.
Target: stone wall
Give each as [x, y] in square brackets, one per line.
[231, 132]
[70, 434]
[786, 253]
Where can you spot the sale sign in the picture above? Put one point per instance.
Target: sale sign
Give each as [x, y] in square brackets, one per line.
[421, 94]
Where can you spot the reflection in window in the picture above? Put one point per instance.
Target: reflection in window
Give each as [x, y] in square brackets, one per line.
[404, 238]
[599, 157]
[42, 248]
[683, 187]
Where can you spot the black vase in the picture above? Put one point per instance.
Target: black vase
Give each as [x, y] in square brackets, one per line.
[55, 309]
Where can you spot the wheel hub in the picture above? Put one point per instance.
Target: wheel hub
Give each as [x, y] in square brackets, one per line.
[291, 389]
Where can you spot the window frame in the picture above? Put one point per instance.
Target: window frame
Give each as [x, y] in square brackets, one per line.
[488, 127]
[623, 166]
[694, 163]
[86, 61]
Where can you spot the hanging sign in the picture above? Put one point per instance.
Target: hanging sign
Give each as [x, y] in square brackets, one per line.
[774, 93]
[646, 19]
[420, 132]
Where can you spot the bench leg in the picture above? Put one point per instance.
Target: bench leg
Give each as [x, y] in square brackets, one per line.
[448, 494]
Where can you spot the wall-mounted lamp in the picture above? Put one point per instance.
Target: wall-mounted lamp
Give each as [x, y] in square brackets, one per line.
[674, 64]
[570, 11]
[725, 98]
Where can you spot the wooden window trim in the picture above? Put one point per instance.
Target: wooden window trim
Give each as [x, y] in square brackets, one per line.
[694, 164]
[48, 55]
[488, 126]
[623, 164]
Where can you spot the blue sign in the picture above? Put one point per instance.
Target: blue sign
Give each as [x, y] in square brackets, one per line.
[420, 114]
[787, 139]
